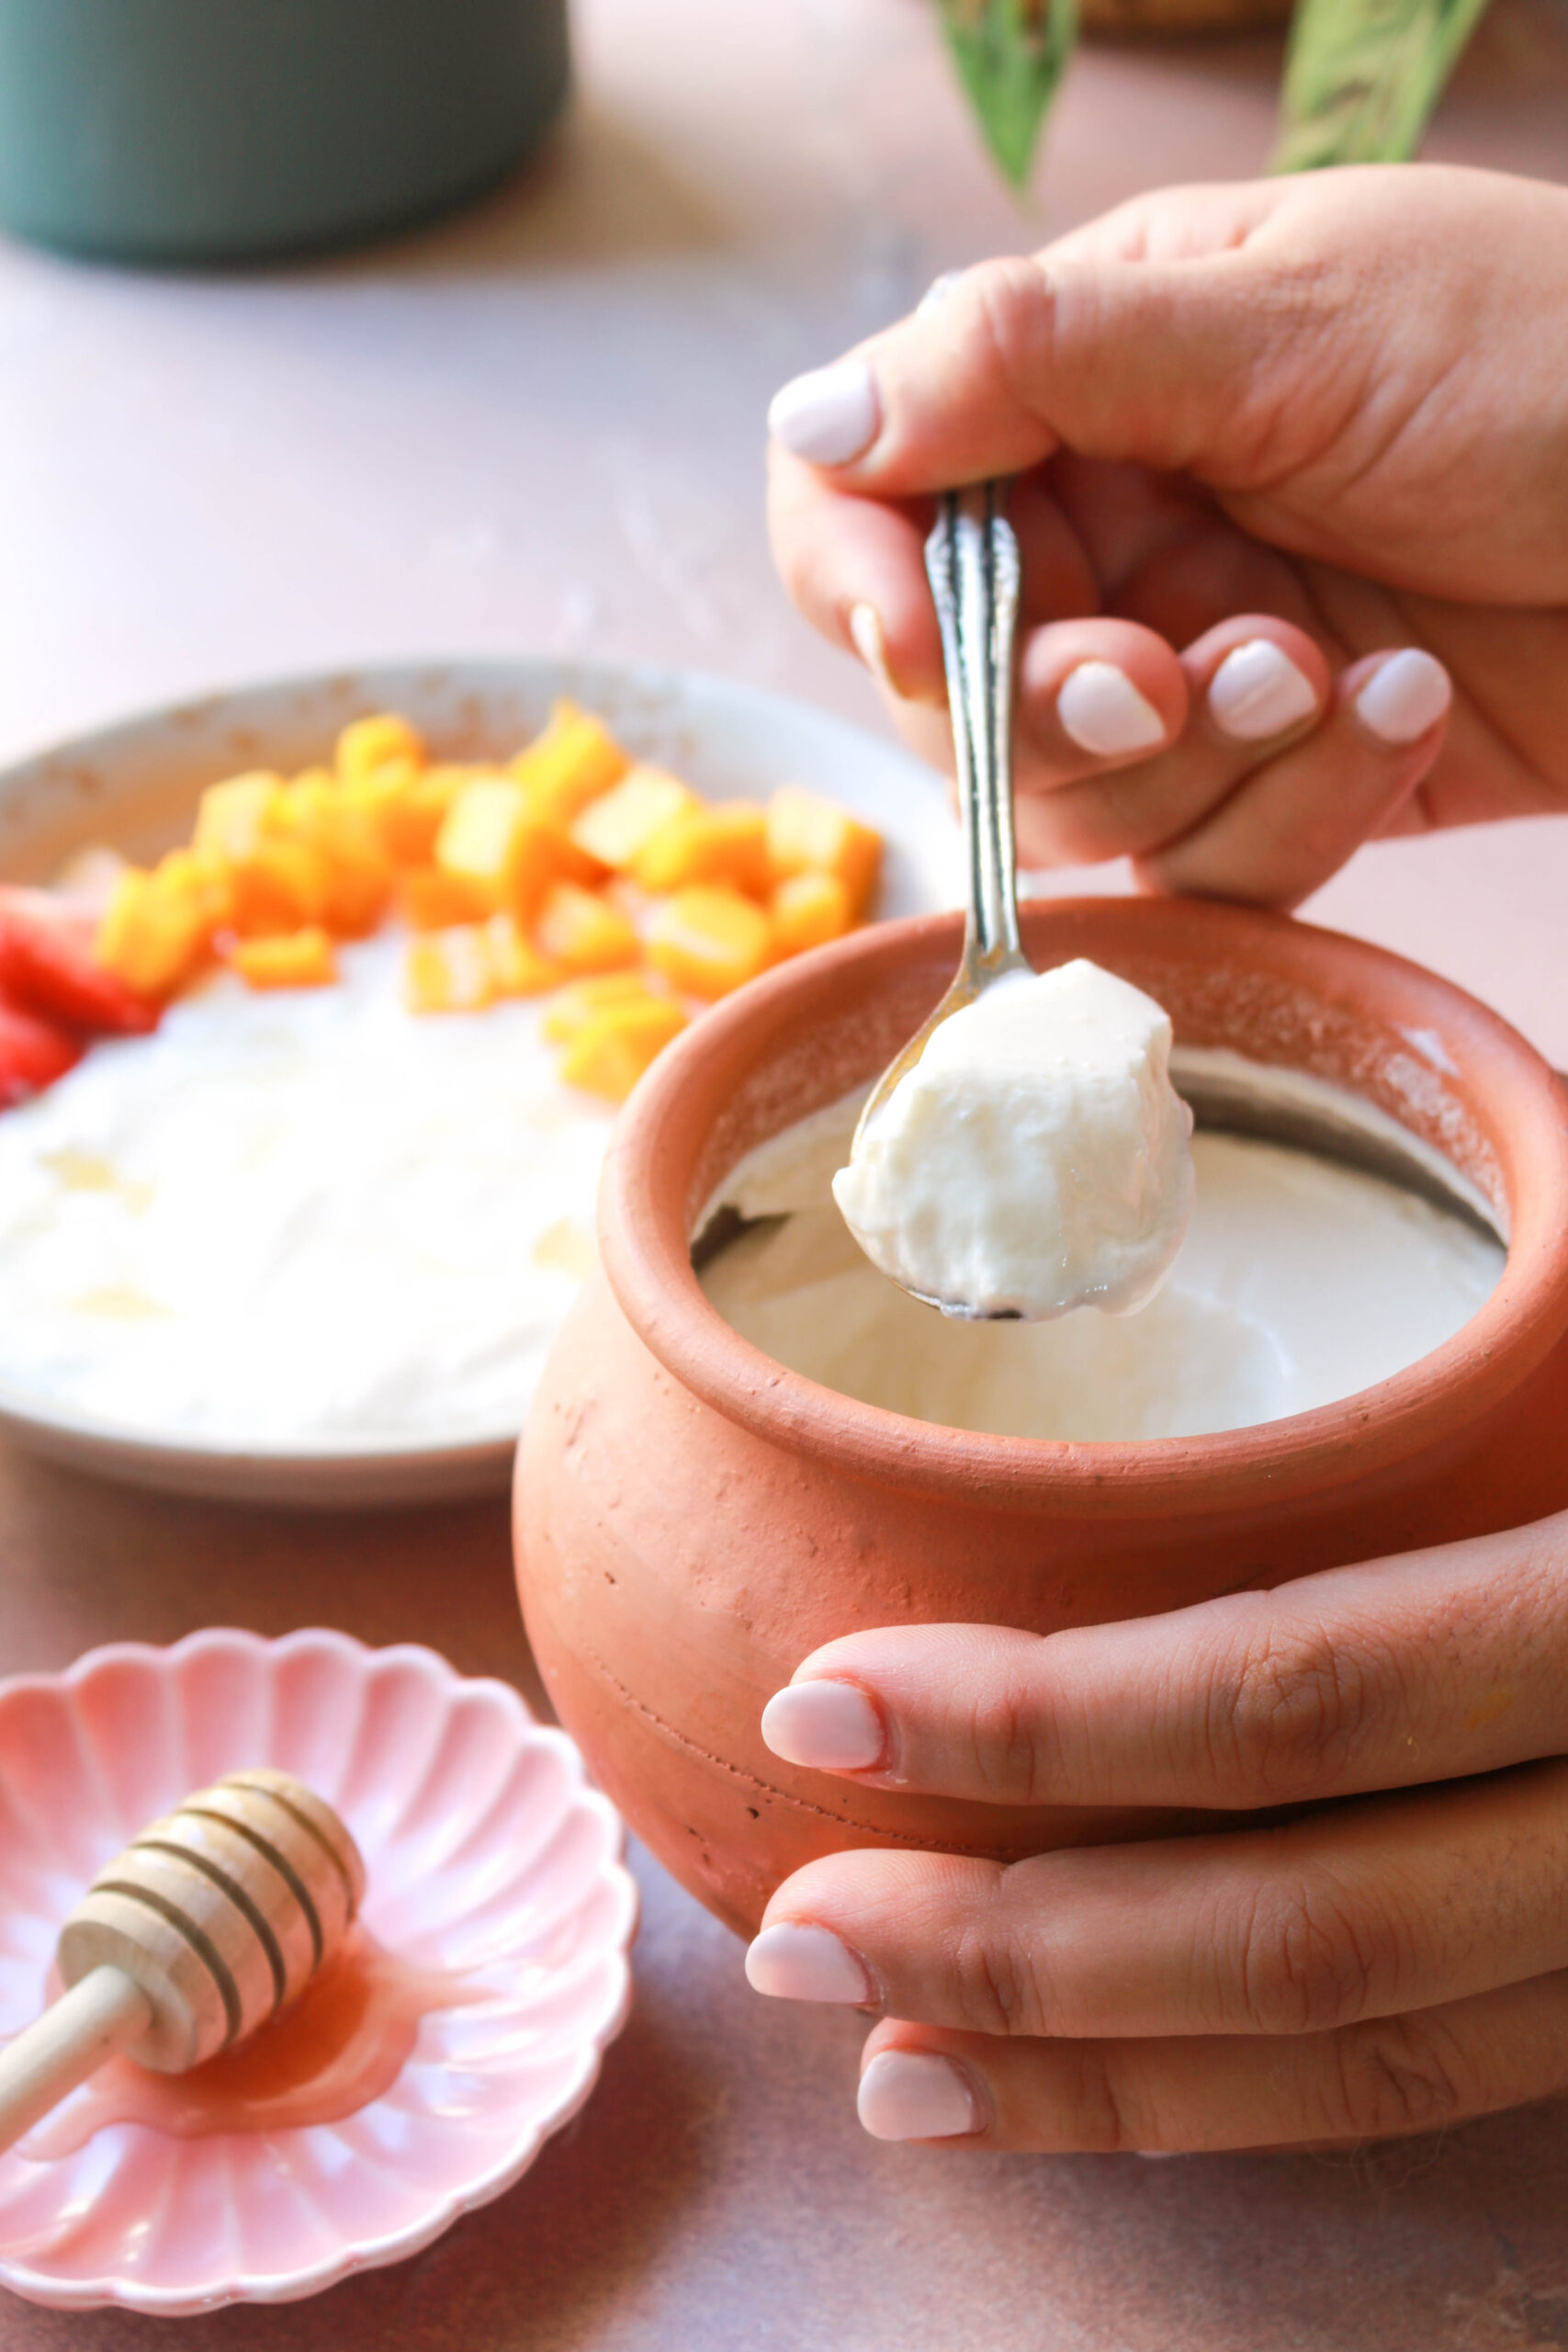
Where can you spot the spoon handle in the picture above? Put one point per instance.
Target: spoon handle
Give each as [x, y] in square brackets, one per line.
[972, 562]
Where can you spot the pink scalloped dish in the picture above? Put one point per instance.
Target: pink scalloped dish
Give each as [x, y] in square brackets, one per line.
[461, 2024]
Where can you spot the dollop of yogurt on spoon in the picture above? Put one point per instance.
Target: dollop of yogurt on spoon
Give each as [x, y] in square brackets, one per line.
[1036, 1159]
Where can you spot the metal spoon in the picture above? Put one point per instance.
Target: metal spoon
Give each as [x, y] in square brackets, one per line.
[972, 562]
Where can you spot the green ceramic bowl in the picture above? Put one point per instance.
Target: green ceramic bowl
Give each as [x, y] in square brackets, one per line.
[211, 130]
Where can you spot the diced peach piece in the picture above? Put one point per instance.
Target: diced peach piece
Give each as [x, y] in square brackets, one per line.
[449, 971]
[492, 837]
[203, 881]
[573, 761]
[611, 1051]
[581, 931]
[359, 870]
[428, 900]
[517, 963]
[580, 1000]
[153, 935]
[411, 816]
[725, 843]
[807, 910]
[809, 835]
[371, 743]
[281, 885]
[293, 960]
[231, 816]
[615, 827]
[709, 939]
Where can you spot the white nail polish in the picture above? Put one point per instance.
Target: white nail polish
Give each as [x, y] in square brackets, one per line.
[1407, 695]
[916, 2095]
[828, 417]
[1104, 713]
[827, 1726]
[866, 636]
[793, 1963]
[937, 292]
[1257, 692]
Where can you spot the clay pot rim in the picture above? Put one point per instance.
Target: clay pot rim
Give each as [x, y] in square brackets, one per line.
[644, 1206]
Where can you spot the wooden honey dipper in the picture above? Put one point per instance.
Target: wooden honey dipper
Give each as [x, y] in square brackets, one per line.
[212, 1921]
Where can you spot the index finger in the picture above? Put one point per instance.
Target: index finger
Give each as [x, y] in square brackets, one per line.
[1422, 1666]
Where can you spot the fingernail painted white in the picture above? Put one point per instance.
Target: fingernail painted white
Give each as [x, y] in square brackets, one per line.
[828, 417]
[1104, 713]
[1407, 695]
[916, 2095]
[1257, 692]
[827, 1726]
[801, 1963]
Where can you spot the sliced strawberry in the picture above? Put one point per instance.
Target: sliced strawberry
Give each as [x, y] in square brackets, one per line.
[47, 964]
[33, 1052]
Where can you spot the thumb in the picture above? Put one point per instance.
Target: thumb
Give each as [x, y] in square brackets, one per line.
[1168, 361]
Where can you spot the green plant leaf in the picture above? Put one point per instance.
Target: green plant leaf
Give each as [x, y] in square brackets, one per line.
[1362, 77]
[1011, 55]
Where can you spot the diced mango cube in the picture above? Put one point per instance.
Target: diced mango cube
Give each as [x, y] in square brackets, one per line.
[581, 931]
[709, 939]
[280, 885]
[231, 816]
[580, 1000]
[518, 967]
[371, 743]
[294, 960]
[428, 900]
[610, 1052]
[152, 934]
[201, 880]
[809, 835]
[809, 910]
[492, 837]
[725, 843]
[615, 827]
[575, 759]
[407, 805]
[449, 971]
[319, 813]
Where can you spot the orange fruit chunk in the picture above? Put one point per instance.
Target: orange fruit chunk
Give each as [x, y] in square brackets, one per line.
[573, 761]
[295, 960]
[809, 835]
[807, 910]
[709, 939]
[493, 838]
[615, 827]
[581, 931]
[376, 742]
[516, 963]
[615, 1045]
[577, 1003]
[449, 971]
[728, 843]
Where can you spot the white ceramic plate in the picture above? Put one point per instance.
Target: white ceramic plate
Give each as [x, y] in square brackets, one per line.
[135, 787]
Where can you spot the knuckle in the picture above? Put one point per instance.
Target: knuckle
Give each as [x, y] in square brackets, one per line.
[997, 1974]
[1306, 1963]
[1008, 316]
[1006, 1741]
[1399, 2075]
[1286, 1715]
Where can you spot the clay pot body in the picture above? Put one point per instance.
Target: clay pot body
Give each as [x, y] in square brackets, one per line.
[693, 1518]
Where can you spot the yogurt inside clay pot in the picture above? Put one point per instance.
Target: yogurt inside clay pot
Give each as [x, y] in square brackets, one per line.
[696, 1513]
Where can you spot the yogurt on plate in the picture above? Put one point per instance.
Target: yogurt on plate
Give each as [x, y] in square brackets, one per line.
[303, 1219]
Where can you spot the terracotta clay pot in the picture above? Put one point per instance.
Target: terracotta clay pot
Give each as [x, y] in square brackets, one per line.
[693, 1518]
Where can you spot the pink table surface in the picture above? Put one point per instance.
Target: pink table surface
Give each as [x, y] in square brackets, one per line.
[541, 425]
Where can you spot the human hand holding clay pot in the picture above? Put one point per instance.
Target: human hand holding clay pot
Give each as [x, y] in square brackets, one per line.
[1292, 461]
[1392, 1961]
